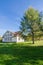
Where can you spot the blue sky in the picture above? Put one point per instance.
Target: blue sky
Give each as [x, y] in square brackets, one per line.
[11, 12]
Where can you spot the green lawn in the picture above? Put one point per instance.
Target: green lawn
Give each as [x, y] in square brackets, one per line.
[21, 54]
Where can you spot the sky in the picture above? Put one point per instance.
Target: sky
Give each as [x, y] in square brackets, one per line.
[11, 12]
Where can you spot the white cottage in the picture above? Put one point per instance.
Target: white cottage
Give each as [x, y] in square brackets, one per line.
[12, 37]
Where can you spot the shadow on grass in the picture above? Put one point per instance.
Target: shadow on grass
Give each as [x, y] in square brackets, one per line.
[21, 55]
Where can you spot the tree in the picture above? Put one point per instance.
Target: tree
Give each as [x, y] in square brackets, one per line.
[41, 23]
[30, 22]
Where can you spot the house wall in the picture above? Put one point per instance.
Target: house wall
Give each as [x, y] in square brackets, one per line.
[9, 37]
[14, 39]
[3, 40]
[19, 39]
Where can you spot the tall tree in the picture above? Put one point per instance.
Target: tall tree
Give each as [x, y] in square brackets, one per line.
[30, 22]
[41, 23]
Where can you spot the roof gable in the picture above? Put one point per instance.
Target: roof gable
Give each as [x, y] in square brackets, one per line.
[13, 33]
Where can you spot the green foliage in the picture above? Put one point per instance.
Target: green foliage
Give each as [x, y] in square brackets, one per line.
[30, 23]
[41, 23]
[0, 39]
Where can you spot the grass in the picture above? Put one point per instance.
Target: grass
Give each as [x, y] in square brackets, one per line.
[21, 54]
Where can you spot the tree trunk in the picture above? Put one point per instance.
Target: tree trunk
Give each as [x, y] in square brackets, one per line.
[33, 37]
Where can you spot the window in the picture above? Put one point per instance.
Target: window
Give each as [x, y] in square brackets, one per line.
[19, 38]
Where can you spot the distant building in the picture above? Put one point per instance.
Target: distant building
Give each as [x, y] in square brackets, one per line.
[12, 37]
